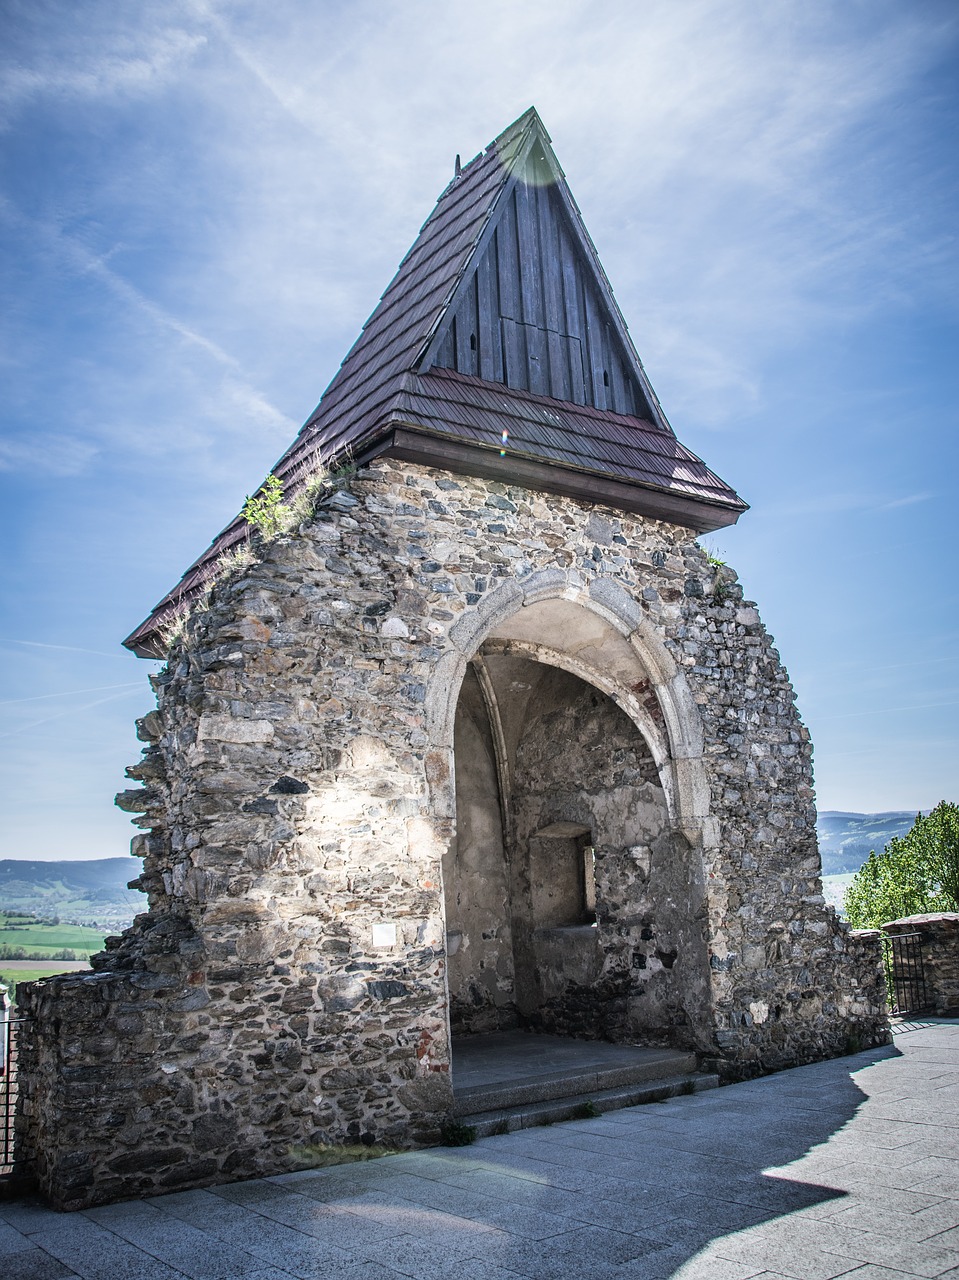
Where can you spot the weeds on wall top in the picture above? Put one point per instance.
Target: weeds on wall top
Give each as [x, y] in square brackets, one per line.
[268, 515]
[716, 561]
[713, 556]
[266, 512]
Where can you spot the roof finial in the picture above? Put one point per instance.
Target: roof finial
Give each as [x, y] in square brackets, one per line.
[457, 168]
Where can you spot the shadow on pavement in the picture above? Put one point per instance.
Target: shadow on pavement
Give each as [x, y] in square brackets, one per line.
[635, 1194]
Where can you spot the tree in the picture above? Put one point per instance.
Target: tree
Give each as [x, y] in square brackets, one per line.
[915, 873]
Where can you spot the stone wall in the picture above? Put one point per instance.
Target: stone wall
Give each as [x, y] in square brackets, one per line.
[939, 935]
[581, 763]
[476, 879]
[288, 985]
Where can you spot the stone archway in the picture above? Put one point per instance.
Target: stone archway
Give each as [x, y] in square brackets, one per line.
[594, 670]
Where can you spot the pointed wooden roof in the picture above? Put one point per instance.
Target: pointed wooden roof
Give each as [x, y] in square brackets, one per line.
[498, 350]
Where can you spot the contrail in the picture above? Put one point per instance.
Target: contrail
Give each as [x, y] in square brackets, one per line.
[881, 711]
[60, 714]
[70, 693]
[69, 648]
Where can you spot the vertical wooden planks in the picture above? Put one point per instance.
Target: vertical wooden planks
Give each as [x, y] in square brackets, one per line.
[630, 386]
[552, 276]
[549, 268]
[595, 353]
[488, 334]
[514, 354]
[531, 296]
[558, 382]
[575, 319]
[577, 373]
[466, 326]
[618, 400]
[446, 356]
[538, 357]
[508, 263]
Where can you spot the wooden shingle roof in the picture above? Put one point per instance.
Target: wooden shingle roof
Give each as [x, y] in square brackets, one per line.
[498, 350]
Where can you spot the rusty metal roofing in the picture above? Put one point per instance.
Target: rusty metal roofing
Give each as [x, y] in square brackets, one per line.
[500, 317]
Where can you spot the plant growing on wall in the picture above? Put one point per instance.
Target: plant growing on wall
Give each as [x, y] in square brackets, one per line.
[266, 512]
[914, 874]
[714, 558]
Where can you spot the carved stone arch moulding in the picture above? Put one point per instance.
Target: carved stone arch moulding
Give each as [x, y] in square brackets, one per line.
[598, 632]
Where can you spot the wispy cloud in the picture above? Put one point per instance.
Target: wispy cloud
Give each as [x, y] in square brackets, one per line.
[67, 454]
[885, 711]
[900, 666]
[136, 300]
[53, 453]
[136, 64]
[909, 500]
[838, 504]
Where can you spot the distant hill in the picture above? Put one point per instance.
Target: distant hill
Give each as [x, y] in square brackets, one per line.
[95, 892]
[847, 839]
[91, 892]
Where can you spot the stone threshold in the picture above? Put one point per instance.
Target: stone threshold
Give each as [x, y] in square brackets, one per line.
[516, 1080]
[528, 1116]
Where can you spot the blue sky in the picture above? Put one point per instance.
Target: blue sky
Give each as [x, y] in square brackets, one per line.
[201, 202]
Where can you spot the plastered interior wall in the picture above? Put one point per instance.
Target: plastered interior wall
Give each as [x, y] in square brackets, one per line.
[476, 879]
[583, 773]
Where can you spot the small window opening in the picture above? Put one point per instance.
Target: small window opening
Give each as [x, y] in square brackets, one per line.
[587, 870]
[605, 377]
[562, 871]
[472, 342]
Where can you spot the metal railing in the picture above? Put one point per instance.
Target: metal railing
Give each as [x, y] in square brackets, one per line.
[905, 976]
[10, 1025]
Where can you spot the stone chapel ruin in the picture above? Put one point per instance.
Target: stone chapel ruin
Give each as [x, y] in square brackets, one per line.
[483, 741]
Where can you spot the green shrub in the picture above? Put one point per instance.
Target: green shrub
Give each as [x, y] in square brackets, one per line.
[455, 1134]
[915, 873]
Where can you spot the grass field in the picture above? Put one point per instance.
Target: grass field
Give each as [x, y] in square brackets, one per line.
[11, 972]
[44, 939]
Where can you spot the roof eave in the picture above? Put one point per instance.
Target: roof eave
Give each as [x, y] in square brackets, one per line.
[410, 442]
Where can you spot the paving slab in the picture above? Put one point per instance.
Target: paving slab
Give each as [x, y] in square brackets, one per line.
[848, 1168]
[34, 1264]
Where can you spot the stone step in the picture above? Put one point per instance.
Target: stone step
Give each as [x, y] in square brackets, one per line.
[553, 1111]
[584, 1080]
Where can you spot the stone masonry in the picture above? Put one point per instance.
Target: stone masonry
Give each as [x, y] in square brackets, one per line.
[939, 941]
[288, 986]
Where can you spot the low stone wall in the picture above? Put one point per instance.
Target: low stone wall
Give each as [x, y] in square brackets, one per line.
[192, 1071]
[833, 1002]
[940, 956]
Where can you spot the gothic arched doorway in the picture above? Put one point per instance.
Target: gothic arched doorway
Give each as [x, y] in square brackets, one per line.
[567, 892]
